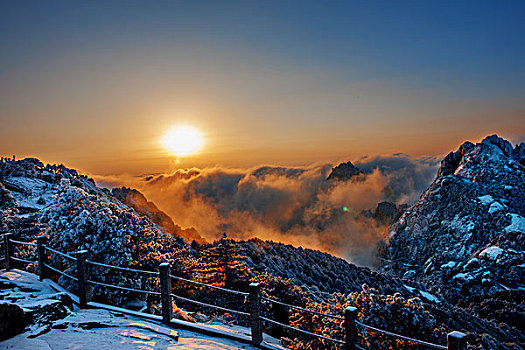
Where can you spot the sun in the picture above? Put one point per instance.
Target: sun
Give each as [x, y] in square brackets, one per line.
[183, 140]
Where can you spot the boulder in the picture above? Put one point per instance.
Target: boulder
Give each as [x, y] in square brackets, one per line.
[13, 320]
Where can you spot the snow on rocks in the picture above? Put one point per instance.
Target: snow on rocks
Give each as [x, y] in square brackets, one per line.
[491, 253]
[463, 277]
[486, 199]
[429, 297]
[449, 265]
[495, 206]
[517, 224]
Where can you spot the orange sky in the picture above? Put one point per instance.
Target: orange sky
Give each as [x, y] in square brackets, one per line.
[133, 145]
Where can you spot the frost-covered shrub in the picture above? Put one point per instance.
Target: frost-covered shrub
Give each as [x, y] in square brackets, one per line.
[114, 235]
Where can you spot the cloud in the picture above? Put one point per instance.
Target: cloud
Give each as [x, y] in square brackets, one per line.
[295, 205]
[407, 177]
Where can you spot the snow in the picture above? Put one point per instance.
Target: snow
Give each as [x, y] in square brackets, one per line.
[517, 224]
[491, 253]
[503, 286]
[101, 329]
[27, 183]
[410, 289]
[35, 189]
[486, 199]
[494, 207]
[449, 265]
[462, 224]
[463, 277]
[409, 274]
[429, 297]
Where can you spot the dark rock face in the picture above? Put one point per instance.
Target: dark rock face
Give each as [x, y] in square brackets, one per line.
[388, 212]
[13, 320]
[136, 200]
[6, 199]
[504, 145]
[344, 172]
[46, 313]
[451, 162]
[519, 153]
[465, 237]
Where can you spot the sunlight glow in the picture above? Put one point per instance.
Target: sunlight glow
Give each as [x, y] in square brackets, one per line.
[182, 140]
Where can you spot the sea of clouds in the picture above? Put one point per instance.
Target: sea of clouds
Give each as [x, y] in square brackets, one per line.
[295, 205]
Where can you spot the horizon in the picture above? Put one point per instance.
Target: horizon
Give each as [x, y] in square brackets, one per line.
[97, 86]
[112, 179]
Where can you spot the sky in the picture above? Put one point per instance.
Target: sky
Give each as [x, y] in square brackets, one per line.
[96, 84]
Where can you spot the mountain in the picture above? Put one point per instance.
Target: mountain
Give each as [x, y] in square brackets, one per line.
[76, 214]
[136, 200]
[344, 172]
[465, 237]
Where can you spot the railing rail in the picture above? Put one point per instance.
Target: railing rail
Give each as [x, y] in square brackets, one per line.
[210, 286]
[23, 260]
[60, 272]
[64, 255]
[273, 301]
[200, 303]
[337, 341]
[23, 243]
[455, 340]
[412, 340]
[127, 269]
[128, 289]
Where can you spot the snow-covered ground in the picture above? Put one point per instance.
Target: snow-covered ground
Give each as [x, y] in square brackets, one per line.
[93, 328]
[35, 193]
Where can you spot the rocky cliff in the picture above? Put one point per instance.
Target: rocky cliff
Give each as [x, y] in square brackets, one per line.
[465, 237]
[136, 200]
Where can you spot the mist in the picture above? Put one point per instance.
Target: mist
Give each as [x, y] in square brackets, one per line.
[293, 205]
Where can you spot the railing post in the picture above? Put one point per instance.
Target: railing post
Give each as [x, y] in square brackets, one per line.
[82, 276]
[350, 328]
[42, 256]
[456, 341]
[165, 291]
[8, 251]
[255, 313]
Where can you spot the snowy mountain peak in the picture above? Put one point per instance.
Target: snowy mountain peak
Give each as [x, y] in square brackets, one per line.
[492, 149]
[466, 234]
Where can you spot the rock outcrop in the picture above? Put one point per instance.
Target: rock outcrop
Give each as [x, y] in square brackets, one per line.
[344, 172]
[136, 200]
[13, 320]
[465, 237]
